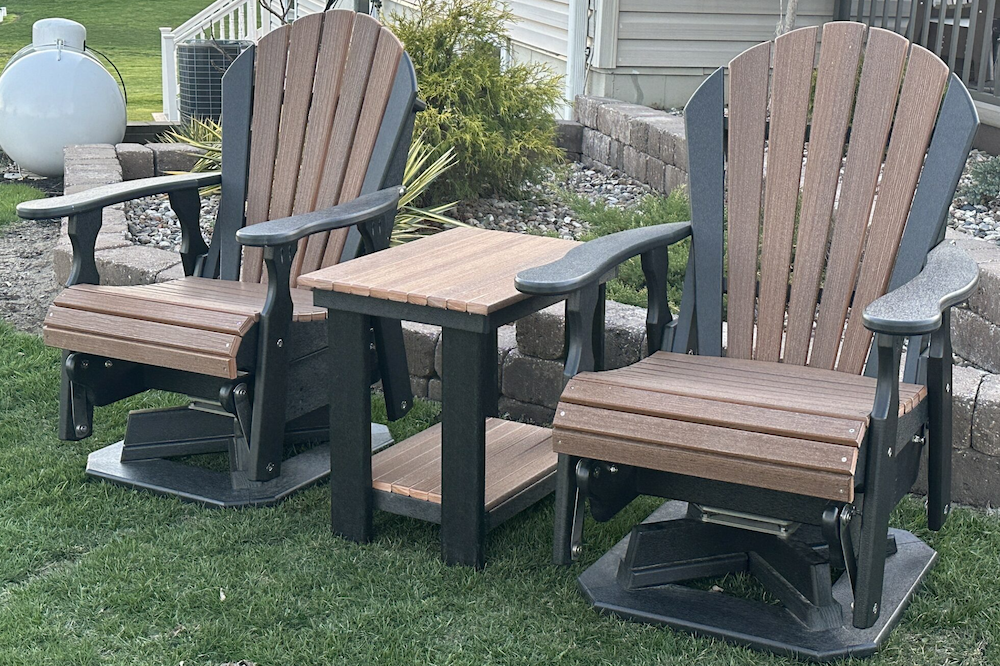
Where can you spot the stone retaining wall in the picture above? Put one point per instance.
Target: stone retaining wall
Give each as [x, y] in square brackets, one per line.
[531, 352]
[118, 260]
[647, 144]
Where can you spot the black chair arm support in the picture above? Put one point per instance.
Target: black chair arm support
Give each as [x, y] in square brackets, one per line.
[915, 308]
[578, 275]
[366, 208]
[587, 263]
[108, 195]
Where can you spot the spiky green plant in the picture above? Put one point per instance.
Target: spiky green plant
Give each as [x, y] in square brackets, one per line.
[412, 221]
[203, 134]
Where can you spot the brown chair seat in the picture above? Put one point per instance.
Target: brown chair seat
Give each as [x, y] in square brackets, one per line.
[193, 324]
[770, 425]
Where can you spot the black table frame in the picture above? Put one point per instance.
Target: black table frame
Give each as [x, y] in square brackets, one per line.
[470, 394]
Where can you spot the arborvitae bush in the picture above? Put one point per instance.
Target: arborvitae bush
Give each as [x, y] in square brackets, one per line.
[499, 118]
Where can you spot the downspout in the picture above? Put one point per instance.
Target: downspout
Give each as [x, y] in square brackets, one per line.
[576, 52]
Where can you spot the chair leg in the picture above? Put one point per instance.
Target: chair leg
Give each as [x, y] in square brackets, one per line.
[879, 485]
[939, 424]
[568, 507]
[76, 407]
[267, 432]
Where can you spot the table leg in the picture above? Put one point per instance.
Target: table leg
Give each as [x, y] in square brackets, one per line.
[467, 382]
[349, 337]
[491, 381]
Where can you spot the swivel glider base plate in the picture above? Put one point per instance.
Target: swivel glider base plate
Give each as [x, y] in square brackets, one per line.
[756, 624]
[135, 464]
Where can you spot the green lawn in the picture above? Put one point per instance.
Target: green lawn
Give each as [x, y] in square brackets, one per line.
[10, 196]
[127, 31]
[95, 574]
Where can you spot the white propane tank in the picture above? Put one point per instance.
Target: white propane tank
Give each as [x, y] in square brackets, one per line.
[53, 94]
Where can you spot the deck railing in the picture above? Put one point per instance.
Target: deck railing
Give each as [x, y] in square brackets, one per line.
[963, 33]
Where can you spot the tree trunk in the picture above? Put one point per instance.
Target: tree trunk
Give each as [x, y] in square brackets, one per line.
[787, 23]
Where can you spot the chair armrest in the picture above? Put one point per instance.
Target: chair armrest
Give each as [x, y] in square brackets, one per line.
[107, 195]
[915, 308]
[586, 263]
[365, 208]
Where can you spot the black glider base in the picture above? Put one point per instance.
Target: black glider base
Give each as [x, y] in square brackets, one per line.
[756, 624]
[219, 489]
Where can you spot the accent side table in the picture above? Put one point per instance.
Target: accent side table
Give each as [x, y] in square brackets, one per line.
[472, 471]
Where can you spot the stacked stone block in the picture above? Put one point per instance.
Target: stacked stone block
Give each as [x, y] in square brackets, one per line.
[647, 144]
[119, 262]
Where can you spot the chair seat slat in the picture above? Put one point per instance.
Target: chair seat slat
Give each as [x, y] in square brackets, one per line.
[755, 418]
[140, 352]
[718, 440]
[827, 485]
[107, 302]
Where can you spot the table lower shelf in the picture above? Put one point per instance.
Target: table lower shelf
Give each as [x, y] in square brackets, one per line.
[520, 469]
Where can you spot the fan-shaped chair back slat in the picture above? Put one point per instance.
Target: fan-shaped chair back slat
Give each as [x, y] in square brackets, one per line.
[885, 55]
[748, 76]
[783, 199]
[269, 87]
[919, 99]
[320, 92]
[794, 54]
[832, 105]
[329, 77]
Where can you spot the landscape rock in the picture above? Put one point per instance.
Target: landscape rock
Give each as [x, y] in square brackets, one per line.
[975, 478]
[975, 339]
[174, 157]
[420, 341]
[532, 380]
[525, 411]
[965, 392]
[136, 161]
[986, 418]
[542, 334]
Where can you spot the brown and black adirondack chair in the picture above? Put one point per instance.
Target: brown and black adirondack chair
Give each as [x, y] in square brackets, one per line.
[791, 444]
[317, 122]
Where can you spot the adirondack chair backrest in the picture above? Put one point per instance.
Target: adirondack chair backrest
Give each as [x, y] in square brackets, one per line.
[820, 220]
[330, 118]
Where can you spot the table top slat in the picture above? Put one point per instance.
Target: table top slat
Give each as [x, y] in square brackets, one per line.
[462, 269]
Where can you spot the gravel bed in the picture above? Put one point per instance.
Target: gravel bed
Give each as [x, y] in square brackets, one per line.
[975, 219]
[27, 279]
[152, 222]
[543, 210]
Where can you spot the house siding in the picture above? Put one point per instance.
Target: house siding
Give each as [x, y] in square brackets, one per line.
[540, 26]
[701, 33]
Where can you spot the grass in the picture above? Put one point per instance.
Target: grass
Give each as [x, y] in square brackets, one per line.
[96, 574]
[10, 196]
[127, 31]
[630, 285]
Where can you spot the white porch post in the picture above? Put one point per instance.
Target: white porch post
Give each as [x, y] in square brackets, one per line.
[168, 64]
[576, 52]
